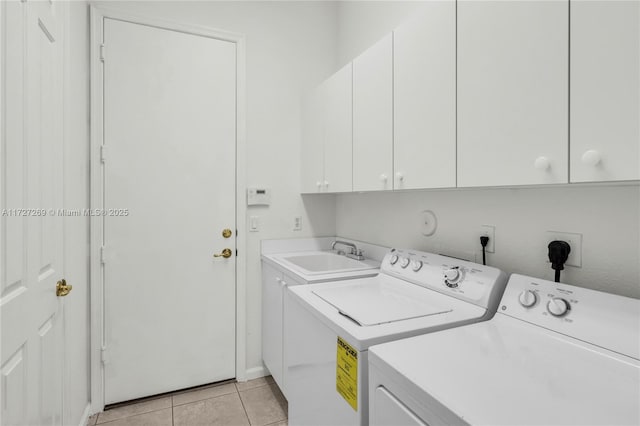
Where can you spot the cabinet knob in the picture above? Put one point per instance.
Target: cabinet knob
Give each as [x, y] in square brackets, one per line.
[400, 176]
[326, 184]
[591, 158]
[542, 163]
[383, 178]
[319, 184]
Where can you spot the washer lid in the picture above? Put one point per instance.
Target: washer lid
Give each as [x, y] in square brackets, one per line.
[382, 302]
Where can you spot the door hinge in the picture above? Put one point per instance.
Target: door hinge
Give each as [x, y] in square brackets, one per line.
[104, 356]
[103, 153]
[102, 255]
[102, 52]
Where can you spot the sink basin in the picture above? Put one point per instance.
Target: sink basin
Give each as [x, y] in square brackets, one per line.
[327, 263]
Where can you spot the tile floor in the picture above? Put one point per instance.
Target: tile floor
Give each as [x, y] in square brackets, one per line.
[256, 402]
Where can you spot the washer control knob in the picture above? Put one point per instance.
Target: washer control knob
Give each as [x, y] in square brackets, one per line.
[558, 307]
[394, 259]
[452, 277]
[528, 298]
[416, 265]
[404, 262]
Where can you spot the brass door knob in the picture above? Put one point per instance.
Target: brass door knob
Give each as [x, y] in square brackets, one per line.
[226, 253]
[226, 233]
[62, 288]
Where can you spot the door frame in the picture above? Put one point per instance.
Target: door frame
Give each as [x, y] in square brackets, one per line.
[98, 14]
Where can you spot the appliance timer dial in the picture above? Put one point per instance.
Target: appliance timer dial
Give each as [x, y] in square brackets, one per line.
[452, 277]
[558, 307]
[528, 298]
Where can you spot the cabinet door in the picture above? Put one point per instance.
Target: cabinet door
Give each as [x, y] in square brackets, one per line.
[373, 117]
[272, 283]
[337, 92]
[312, 147]
[424, 96]
[605, 90]
[512, 92]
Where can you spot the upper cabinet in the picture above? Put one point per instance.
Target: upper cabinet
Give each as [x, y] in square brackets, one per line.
[373, 117]
[424, 96]
[326, 160]
[605, 91]
[513, 63]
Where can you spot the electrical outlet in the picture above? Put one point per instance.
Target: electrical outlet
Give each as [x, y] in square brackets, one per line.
[297, 223]
[574, 240]
[488, 231]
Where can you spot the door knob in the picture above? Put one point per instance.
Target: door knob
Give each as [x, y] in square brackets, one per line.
[62, 288]
[226, 233]
[226, 253]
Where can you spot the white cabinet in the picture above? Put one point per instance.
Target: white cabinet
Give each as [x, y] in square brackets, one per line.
[338, 131]
[274, 283]
[424, 97]
[373, 117]
[605, 91]
[512, 92]
[326, 161]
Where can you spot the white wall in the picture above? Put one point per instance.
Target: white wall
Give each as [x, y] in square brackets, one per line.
[362, 23]
[608, 218]
[290, 48]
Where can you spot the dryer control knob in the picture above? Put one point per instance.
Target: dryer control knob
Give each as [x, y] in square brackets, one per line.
[528, 298]
[404, 262]
[416, 265]
[558, 307]
[394, 259]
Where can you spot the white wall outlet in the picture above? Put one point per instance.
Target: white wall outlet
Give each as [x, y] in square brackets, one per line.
[574, 240]
[488, 231]
[254, 224]
[297, 223]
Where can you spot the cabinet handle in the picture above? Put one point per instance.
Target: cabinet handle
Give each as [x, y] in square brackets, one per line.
[591, 158]
[278, 280]
[283, 283]
[542, 163]
[319, 185]
[383, 178]
[400, 176]
[326, 184]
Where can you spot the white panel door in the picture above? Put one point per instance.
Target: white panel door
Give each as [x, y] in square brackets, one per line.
[170, 122]
[424, 97]
[31, 362]
[373, 117]
[605, 90]
[312, 147]
[512, 92]
[337, 91]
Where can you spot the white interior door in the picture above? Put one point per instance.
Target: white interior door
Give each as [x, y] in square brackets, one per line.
[32, 234]
[169, 185]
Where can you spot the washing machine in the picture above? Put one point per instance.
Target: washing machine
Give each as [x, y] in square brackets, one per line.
[554, 354]
[332, 325]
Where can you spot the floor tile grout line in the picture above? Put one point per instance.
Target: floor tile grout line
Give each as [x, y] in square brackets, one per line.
[243, 407]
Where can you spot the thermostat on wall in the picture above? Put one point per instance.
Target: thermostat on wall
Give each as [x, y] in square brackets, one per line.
[258, 196]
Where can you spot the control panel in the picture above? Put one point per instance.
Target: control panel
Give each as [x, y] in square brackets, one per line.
[478, 284]
[604, 319]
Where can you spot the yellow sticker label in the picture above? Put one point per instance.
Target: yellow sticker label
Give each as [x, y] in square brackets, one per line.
[347, 373]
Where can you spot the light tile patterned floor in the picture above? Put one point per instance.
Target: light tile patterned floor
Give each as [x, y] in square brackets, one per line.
[257, 402]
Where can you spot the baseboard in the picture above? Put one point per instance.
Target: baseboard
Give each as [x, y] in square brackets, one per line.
[256, 372]
[85, 415]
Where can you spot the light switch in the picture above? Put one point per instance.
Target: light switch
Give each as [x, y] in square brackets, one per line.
[254, 224]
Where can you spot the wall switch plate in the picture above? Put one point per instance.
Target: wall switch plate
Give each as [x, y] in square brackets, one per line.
[488, 231]
[574, 240]
[297, 223]
[254, 224]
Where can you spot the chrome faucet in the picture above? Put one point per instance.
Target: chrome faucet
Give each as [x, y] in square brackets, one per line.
[354, 252]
